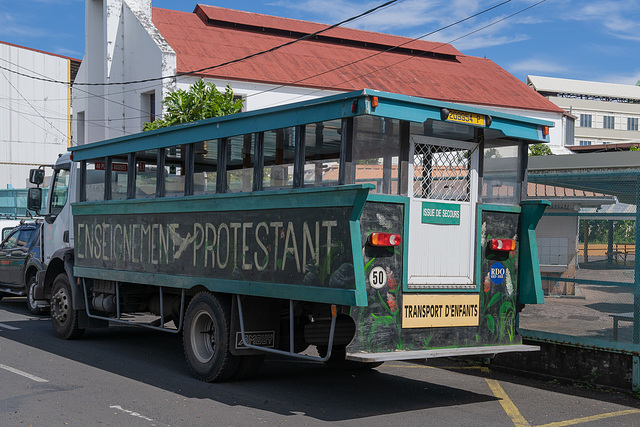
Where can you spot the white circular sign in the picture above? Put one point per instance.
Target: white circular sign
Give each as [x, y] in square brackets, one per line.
[377, 277]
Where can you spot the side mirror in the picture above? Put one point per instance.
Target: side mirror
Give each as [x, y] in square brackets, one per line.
[36, 176]
[34, 197]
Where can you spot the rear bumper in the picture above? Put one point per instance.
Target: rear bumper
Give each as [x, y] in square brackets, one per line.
[486, 351]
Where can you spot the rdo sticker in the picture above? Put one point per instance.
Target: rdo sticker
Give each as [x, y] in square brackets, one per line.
[497, 272]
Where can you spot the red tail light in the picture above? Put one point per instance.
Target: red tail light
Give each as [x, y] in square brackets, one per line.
[506, 245]
[384, 239]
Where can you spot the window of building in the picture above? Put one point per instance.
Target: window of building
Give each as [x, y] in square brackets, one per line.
[80, 131]
[243, 99]
[608, 122]
[148, 107]
[632, 123]
[585, 142]
[569, 136]
[585, 120]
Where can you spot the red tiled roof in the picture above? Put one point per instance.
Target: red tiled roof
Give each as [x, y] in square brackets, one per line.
[214, 35]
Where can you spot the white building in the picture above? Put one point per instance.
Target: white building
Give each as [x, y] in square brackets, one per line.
[143, 53]
[35, 113]
[604, 113]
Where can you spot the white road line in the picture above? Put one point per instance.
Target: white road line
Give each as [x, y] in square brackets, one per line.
[132, 413]
[24, 374]
[11, 328]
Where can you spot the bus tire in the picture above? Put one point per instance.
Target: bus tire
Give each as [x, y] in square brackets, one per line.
[63, 316]
[206, 338]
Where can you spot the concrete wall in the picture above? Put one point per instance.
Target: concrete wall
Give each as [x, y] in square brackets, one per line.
[122, 45]
[556, 134]
[35, 114]
[573, 364]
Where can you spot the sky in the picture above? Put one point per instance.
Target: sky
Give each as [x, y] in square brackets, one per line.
[597, 40]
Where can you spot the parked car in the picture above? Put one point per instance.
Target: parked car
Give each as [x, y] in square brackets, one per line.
[20, 260]
[6, 225]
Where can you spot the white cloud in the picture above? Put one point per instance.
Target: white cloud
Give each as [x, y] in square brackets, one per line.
[618, 18]
[630, 78]
[542, 66]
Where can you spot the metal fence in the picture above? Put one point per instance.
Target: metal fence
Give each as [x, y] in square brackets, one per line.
[13, 202]
[587, 243]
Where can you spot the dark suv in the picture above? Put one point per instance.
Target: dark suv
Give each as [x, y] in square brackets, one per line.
[20, 259]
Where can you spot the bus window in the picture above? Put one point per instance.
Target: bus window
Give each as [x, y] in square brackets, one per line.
[240, 154]
[205, 167]
[500, 181]
[119, 181]
[376, 148]
[441, 166]
[279, 154]
[322, 153]
[146, 174]
[174, 178]
[94, 180]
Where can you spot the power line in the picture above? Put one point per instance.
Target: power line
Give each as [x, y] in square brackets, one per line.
[305, 37]
[384, 51]
[34, 108]
[418, 55]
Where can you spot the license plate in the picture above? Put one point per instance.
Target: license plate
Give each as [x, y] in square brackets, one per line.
[464, 117]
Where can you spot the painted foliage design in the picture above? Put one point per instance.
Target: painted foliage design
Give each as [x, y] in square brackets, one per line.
[380, 323]
[499, 272]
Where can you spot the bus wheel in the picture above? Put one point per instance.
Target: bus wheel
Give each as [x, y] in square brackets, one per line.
[206, 338]
[63, 316]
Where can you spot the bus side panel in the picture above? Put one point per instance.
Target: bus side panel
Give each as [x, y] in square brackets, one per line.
[490, 321]
[378, 325]
[273, 248]
[499, 275]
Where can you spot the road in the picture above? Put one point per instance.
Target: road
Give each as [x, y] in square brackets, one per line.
[125, 376]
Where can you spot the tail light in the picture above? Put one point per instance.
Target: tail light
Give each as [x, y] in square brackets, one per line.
[384, 239]
[506, 245]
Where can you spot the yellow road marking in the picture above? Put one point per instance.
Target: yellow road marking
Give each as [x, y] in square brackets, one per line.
[511, 409]
[507, 404]
[592, 418]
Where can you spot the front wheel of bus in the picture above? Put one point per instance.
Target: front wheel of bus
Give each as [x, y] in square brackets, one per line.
[206, 338]
[63, 316]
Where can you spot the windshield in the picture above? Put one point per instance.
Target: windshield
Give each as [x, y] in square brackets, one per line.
[59, 191]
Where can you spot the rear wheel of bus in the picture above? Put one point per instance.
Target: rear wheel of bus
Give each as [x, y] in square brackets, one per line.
[63, 316]
[206, 338]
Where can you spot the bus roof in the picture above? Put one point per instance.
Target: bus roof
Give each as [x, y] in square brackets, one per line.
[363, 102]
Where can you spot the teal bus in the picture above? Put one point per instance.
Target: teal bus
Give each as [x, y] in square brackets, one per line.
[353, 230]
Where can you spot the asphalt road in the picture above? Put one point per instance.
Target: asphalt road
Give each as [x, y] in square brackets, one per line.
[126, 376]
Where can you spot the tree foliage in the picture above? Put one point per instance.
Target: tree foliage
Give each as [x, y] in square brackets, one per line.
[624, 231]
[202, 101]
[539, 149]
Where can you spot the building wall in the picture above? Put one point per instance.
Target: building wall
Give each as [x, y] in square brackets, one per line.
[556, 134]
[135, 50]
[35, 114]
[597, 134]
